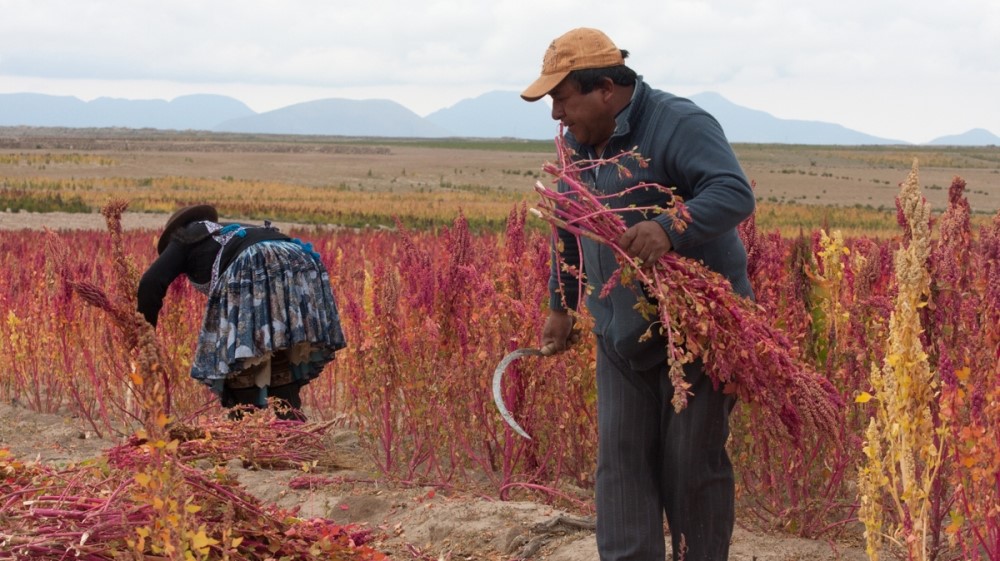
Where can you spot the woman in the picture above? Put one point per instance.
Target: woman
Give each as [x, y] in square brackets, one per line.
[271, 323]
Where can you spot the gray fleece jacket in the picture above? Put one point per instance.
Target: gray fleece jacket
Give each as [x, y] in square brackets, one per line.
[686, 149]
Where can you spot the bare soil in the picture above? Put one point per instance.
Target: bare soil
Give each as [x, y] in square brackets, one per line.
[57, 221]
[418, 523]
[845, 176]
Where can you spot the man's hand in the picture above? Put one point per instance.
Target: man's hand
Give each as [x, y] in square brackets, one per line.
[647, 241]
[559, 333]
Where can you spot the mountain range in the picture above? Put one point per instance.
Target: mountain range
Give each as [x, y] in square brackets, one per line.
[496, 114]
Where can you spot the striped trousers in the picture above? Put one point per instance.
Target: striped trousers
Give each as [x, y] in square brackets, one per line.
[653, 462]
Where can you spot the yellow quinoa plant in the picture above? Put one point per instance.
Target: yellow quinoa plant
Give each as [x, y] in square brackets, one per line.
[902, 454]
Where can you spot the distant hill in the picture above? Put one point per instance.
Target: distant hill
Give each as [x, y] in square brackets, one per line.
[498, 114]
[749, 125]
[495, 114]
[974, 137]
[189, 112]
[339, 117]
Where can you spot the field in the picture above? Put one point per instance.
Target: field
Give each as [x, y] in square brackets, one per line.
[362, 182]
[439, 272]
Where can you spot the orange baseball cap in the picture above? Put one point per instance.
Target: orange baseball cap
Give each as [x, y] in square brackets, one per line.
[575, 50]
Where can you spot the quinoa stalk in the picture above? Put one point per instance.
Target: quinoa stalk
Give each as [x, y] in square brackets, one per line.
[695, 309]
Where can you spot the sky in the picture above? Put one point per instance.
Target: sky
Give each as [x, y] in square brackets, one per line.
[908, 70]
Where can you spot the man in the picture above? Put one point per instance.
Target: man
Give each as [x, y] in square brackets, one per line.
[651, 460]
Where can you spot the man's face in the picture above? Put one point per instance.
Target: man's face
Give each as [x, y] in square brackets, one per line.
[588, 116]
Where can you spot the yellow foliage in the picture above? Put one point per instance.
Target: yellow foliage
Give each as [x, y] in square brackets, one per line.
[248, 198]
[902, 458]
[201, 542]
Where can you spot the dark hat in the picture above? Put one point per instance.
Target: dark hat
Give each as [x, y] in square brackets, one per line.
[183, 217]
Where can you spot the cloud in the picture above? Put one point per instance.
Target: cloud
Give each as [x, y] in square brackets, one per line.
[809, 59]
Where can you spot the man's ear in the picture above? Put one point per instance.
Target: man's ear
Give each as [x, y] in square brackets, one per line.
[607, 88]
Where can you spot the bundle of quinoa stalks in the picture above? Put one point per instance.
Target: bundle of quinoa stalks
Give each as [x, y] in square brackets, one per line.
[695, 308]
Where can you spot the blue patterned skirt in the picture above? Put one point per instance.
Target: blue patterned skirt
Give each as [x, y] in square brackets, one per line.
[274, 295]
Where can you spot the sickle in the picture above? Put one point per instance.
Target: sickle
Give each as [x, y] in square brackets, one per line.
[498, 377]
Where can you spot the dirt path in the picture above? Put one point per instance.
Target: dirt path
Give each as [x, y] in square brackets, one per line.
[417, 523]
[89, 221]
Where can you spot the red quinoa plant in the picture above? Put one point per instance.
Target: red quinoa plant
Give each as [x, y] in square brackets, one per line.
[146, 500]
[429, 317]
[697, 311]
[962, 330]
[930, 481]
[810, 291]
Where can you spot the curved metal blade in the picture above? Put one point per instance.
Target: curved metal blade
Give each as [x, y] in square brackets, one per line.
[498, 378]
